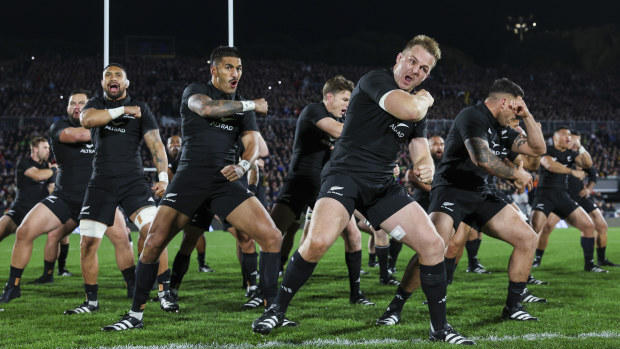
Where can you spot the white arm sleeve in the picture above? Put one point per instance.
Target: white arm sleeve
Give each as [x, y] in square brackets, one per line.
[382, 100]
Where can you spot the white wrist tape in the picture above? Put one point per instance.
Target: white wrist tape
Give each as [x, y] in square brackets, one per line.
[248, 105]
[116, 112]
[582, 150]
[245, 164]
[163, 177]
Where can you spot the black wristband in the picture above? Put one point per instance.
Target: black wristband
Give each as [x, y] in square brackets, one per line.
[54, 170]
[253, 188]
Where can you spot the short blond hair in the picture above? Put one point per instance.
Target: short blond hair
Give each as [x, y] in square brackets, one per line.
[427, 43]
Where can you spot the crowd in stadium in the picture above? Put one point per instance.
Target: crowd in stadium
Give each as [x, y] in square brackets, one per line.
[33, 86]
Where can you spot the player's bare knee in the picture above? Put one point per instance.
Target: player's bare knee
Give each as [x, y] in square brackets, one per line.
[270, 239]
[527, 242]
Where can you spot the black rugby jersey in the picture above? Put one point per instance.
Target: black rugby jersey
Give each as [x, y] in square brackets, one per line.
[549, 179]
[371, 138]
[117, 144]
[173, 164]
[456, 168]
[575, 185]
[312, 146]
[211, 142]
[29, 191]
[75, 161]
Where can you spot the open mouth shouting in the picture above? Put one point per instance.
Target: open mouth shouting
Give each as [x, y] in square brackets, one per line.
[233, 83]
[114, 87]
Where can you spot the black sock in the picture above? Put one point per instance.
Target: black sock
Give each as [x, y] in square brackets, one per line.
[472, 247]
[249, 262]
[382, 256]
[62, 257]
[163, 280]
[515, 289]
[372, 258]
[399, 300]
[15, 276]
[588, 250]
[395, 247]
[48, 269]
[129, 275]
[600, 253]
[269, 267]
[298, 271]
[450, 268]
[354, 265]
[201, 258]
[180, 265]
[91, 292]
[433, 280]
[539, 253]
[146, 273]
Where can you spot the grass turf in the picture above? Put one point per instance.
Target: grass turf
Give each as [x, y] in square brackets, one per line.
[582, 311]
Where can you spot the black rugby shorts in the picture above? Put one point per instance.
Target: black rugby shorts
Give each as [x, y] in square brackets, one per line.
[586, 203]
[554, 200]
[472, 207]
[193, 186]
[64, 207]
[18, 211]
[202, 218]
[375, 200]
[500, 194]
[105, 193]
[298, 192]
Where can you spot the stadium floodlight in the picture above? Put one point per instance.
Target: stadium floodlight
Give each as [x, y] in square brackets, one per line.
[520, 25]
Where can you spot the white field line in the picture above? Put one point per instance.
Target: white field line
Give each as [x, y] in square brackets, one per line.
[369, 342]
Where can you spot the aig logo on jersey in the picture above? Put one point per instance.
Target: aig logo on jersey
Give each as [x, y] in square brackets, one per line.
[88, 150]
[399, 129]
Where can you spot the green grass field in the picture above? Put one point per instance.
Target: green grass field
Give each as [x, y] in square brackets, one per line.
[583, 309]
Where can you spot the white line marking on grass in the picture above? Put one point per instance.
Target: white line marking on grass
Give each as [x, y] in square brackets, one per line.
[338, 341]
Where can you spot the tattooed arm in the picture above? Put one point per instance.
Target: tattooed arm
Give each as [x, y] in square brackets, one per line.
[204, 106]
[158, 151]
[482, 157]
[532, 143]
